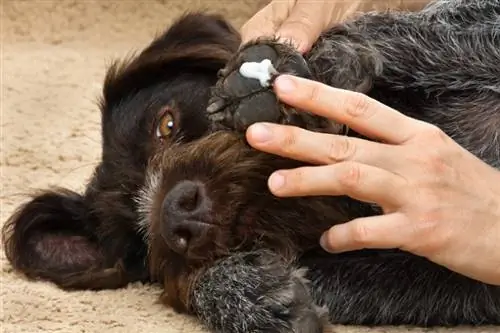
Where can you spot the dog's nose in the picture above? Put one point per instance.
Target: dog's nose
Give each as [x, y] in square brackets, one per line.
[186, 215]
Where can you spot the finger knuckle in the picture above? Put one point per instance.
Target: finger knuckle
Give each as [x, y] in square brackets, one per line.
[288, 140]
[360, 234]
[350, 177]
[433, 134]
[428, 228]
[434, 162]
[357, 105]
[314, 94]
[427, 223]
[436, 151]
[341, 148]
[296, 181]
[437, 164]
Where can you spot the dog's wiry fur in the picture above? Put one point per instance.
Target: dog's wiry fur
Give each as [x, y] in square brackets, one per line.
[254, 264]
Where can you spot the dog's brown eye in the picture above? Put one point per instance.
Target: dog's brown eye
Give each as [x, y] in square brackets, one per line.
[165, 125]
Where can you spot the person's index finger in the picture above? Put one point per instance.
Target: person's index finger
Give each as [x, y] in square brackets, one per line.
[358, 111]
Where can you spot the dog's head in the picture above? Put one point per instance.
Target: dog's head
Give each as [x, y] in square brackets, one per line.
[90, 240]
[169, 195]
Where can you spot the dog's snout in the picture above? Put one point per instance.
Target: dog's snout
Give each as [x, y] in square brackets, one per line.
[186, 215]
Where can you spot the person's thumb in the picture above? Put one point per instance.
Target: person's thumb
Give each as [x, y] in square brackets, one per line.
[304, 25]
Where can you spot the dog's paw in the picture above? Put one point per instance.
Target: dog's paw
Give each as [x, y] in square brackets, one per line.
[257, 292]
[243, 94]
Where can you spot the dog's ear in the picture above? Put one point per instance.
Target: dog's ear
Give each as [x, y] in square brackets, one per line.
[196, 43]
[49, 238]
[197, 31]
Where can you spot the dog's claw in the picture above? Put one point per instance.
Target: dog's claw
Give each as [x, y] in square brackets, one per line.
[222, 72]
[215, 105]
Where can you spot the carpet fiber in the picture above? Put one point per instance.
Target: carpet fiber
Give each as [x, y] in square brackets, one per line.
[53, 57]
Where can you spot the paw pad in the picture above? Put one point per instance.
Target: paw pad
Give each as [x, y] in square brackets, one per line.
[243, 95]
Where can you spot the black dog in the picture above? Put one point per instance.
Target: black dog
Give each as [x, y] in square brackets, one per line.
[179, 198]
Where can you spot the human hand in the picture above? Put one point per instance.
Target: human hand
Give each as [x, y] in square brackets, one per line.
[302, 21]
[439, 200]
[298, 21]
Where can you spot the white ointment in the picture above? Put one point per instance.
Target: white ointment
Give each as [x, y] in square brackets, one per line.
[261, 71]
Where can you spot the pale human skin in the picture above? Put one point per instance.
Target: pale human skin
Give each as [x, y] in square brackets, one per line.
[413, 220]
[302, 21]
[447, 214]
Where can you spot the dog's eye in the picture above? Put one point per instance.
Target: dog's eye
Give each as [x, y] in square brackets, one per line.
[165, 125]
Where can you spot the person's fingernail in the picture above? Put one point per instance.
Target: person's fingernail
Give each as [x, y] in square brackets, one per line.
[323, 242]
[260, 133]
[276, 181]
[285, 84]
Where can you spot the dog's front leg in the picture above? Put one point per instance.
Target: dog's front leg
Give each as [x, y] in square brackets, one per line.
[399, 58]
[244, 95]
[255, 292]
[410, 52]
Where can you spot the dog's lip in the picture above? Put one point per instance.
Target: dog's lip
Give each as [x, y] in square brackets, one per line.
[201, 222]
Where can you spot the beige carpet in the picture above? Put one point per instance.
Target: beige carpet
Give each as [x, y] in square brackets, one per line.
[53, 56]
